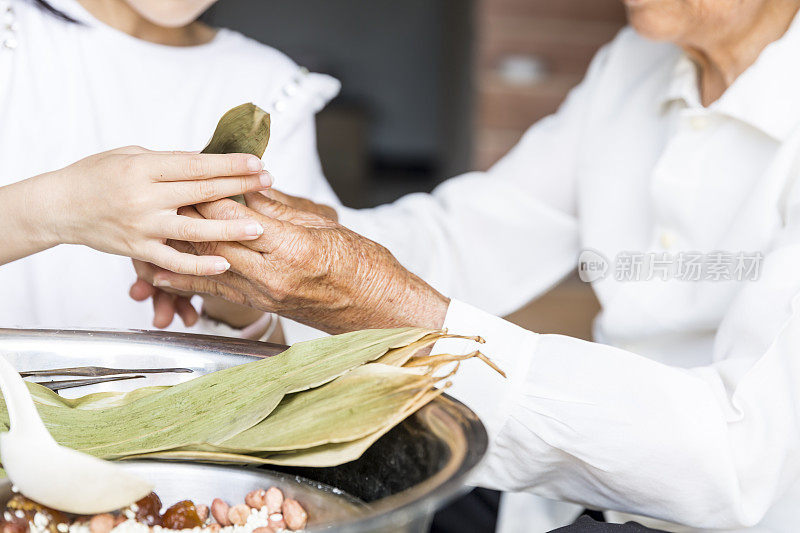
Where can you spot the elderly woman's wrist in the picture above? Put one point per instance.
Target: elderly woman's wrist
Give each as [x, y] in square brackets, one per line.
[428, 305]
[407, 301]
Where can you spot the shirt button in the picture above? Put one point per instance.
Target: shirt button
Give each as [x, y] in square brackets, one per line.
[699, 122]
[668, 239]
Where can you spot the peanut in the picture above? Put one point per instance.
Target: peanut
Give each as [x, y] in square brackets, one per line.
[274, 500]
[265, 529]
[294, 514]
[276, 521]
[202, 512]
[213, 528]
[219, 510]
[101, 523]
[13, 527]
[256, 499]
[238, 514]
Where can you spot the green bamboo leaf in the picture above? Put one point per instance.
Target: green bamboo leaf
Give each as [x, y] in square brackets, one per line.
[400, 356]
[350, 407]
[336, 454]
[245, 129]
[216, 407]
[97, 400]
[327, 455]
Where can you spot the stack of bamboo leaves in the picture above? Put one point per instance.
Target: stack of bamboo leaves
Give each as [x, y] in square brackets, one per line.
[319, 403]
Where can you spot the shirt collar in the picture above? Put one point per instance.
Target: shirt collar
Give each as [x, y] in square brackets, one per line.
[765, 96]
[682, 85]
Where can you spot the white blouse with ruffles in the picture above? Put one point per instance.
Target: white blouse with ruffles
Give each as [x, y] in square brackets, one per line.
[71, 90]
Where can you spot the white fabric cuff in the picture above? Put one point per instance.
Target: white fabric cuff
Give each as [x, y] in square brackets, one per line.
[509, 346]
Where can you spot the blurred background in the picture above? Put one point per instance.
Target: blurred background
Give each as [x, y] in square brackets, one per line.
[434, 88]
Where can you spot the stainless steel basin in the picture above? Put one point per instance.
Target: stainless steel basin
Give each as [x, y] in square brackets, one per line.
[402, 480]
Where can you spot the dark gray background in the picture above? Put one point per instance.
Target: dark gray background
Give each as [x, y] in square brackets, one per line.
[404, 64]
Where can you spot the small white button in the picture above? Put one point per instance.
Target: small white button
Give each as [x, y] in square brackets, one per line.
[668, 239]
[10, 43]
[290, 89]
[699, 122]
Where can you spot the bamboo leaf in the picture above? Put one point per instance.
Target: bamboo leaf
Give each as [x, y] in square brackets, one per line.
[320, 456]
[337, 454]
[214, 408]
[400, 356]
[245, 129]
[350, 407]
[98, 400]
[320, 403]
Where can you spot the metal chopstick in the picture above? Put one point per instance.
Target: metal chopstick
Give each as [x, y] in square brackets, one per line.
[98, 371]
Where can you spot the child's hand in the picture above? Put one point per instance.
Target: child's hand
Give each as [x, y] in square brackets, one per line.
[167, 304]
[125, 202]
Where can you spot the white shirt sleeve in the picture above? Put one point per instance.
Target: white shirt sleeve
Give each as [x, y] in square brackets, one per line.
[499, 238]
[711, 447]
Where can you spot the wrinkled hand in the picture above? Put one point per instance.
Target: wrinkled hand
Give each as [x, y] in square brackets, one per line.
[167, 303]
[302, 204]
[125, 202]
[309, 268]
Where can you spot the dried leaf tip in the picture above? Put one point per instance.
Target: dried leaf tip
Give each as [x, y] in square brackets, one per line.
[435, 362]
[445, 334]
[491, 364]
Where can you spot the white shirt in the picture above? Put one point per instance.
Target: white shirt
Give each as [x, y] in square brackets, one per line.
[68, 91]
[689, 411]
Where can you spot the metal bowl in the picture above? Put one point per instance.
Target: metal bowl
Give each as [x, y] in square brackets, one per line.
[403, 478]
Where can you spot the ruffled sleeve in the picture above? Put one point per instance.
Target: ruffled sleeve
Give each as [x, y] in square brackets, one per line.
[291, 156]
[301, 94]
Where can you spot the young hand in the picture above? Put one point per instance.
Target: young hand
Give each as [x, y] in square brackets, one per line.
[166, 304]
[125, 202]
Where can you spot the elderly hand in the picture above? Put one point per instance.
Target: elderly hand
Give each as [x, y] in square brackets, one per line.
[302, 204]
[309, 268]
[169, 303]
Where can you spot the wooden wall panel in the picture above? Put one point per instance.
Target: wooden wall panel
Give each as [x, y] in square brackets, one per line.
[561, 36]
[605, 10]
